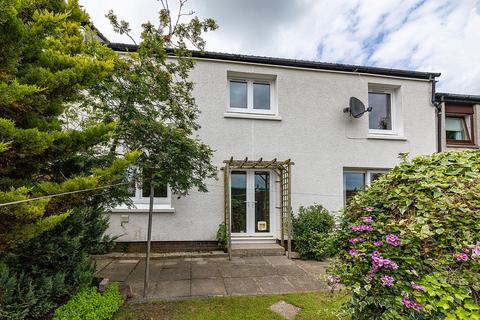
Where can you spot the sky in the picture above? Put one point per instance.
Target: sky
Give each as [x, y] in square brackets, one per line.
[424, 35]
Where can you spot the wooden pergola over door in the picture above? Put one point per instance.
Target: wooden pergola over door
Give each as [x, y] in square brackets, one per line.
[284, 170]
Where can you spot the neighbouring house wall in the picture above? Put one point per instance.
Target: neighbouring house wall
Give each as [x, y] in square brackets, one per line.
[313, 132]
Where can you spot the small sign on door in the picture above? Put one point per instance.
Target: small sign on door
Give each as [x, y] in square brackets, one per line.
[262, 225]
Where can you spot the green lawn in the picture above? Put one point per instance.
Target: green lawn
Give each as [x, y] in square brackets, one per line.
[318, 305]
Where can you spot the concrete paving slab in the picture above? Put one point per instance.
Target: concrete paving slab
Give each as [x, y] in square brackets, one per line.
[205, 271]
[208, 287]
[290, 269]
[285, 310]
[245, 271]
[303, 283]
[170, 264]
[279, 261]
[256, 260]
[274, 284]
[171, 289]
[101, 263]
[241, 286]
[117, 271]
[178, 278]
[314, 267]
[171, 274]
[138, 273]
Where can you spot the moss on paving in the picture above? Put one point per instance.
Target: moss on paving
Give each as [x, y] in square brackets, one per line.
[317, 305]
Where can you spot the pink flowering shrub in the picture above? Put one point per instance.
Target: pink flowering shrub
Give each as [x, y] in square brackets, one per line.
[410, 244]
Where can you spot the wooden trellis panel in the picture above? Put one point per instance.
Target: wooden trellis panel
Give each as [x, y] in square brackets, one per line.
[284, 170]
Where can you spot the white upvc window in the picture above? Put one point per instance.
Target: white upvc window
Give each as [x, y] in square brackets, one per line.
[140, 197]
[382, 119]
[356, 180]
[255, 96]
[140, 193]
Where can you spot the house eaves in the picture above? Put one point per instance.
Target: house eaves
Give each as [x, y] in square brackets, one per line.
[123, 47]
[457, 98]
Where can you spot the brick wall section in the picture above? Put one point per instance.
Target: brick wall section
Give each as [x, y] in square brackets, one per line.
[167, 246]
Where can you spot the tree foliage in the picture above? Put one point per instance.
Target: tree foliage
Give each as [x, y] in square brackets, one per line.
[44, 65]
[412, 241]
[149, 96]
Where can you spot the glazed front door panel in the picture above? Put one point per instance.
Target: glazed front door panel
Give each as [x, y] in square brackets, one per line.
[251, 202]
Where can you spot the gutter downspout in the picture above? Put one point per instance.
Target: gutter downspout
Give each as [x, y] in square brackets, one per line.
[438, 110]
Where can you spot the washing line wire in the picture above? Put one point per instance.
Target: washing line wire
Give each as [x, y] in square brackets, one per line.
[61, 194]
[209, 193]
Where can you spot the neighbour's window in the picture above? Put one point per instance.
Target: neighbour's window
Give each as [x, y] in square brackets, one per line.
[250, 96]
[380, 118]
[356, 180]
[459, 124]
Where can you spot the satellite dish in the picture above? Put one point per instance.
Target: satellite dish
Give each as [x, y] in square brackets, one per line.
[357, 108]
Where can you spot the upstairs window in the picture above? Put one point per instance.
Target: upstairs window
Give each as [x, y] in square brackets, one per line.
[238, 94]
[459, 125]
[250, 96]
[381, 117]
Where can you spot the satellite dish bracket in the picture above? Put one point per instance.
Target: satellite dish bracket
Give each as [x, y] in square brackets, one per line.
[356, 108]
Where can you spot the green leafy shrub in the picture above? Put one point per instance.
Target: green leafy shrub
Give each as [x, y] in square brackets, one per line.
[411, 242]
[312, 229]
[46, 271]
[88, 304]
[222, 236]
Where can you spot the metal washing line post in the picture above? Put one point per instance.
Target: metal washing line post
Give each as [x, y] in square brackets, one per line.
[284, 171]
[149, 239]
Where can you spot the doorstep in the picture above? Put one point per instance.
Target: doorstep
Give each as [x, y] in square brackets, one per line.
[257, 249]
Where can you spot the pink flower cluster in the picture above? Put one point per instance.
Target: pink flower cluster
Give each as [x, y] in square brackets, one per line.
[387, 281]
[393, 240]
[378, 243]
[333, 279]
[416, 286]
[460, 257]
[367, 219]
[363, 227]
[356, 240]
[410, 303]
[368, 209]
[355, 252]
[379, 262]
[474, 250]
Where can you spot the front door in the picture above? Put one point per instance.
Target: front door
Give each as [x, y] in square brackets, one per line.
[251, 202]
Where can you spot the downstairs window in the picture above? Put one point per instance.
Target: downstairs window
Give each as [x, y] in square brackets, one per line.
[357, 180]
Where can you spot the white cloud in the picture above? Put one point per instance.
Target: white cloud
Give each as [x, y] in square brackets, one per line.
[427, 35]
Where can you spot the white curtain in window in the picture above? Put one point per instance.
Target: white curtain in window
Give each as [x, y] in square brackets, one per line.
[456, 128]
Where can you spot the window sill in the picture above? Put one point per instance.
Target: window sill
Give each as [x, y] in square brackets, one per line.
[144, 208]
[386, 137]
[258, 116]
[462, 146]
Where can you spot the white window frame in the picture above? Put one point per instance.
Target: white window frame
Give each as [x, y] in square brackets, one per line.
[393, 111]
[138, 198]
[141, 204]
[367, 180]
[250, 109]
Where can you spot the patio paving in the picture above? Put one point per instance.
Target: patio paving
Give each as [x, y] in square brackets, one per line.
[180, 278]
